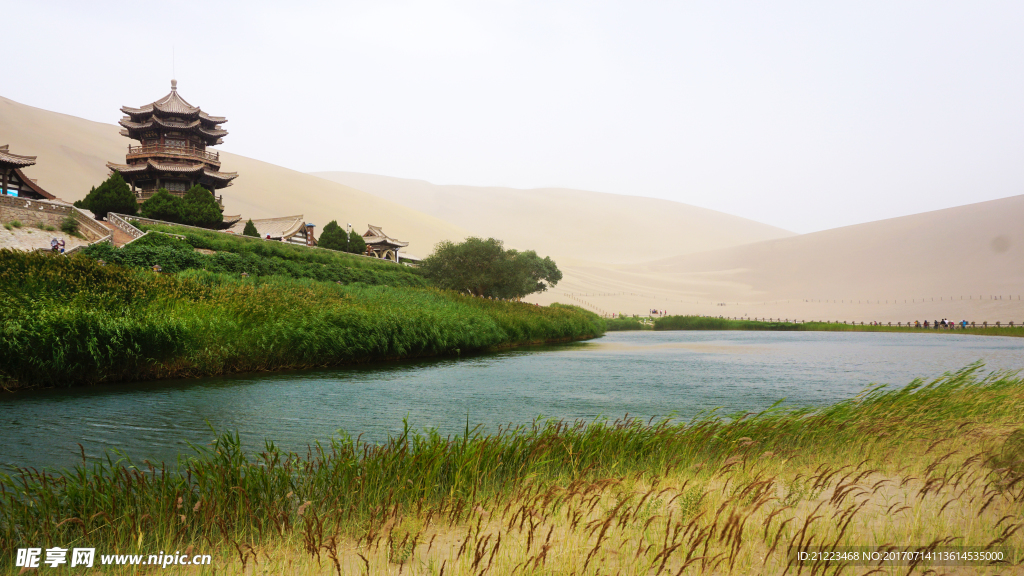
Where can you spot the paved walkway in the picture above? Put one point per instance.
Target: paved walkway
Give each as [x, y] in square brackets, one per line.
[31, 238]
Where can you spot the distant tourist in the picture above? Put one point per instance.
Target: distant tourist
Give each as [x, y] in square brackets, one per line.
[53, 245]
[61, 244]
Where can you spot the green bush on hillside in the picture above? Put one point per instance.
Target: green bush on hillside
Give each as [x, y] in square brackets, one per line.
[113, 195]
[334, 237]
[197, 208]
[485, 268]
[250, 230]
[254, 257]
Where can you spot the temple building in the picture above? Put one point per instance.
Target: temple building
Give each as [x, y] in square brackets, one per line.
[380, 245]
[13, 181]
[174, 137]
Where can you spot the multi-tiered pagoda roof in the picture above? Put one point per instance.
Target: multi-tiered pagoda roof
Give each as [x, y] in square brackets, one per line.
[173, 136]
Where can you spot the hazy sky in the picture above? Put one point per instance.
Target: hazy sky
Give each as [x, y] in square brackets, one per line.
[805, 115]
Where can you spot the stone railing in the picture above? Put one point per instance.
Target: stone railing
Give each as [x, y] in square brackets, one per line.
[90, 226]
[118, 221]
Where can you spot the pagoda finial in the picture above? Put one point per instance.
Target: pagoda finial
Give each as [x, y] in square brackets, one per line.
[174, 85]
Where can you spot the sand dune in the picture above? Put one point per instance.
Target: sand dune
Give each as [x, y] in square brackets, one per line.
[72, 156]
[570, 225]
[965, 262]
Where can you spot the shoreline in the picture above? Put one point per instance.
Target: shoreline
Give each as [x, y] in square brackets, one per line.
[697, 323]
[4, 390]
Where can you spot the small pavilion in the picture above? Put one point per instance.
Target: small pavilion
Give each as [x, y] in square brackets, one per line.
[13, 181]
[380, 245]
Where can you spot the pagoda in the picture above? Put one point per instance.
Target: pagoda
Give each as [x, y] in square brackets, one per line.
[173, 138]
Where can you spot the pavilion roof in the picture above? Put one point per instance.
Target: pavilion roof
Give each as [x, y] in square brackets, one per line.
[193, 126]
[184, 169]
[173, 103]
[8, 160]
[283, 227]
[376, 236]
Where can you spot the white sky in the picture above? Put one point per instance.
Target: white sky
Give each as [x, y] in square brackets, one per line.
[805, 115]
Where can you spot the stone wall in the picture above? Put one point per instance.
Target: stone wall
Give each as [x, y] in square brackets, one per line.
[34, 212]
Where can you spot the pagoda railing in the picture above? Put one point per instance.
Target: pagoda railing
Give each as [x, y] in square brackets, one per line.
[180, 151]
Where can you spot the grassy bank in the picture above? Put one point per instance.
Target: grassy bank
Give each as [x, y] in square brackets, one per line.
[238, 254]
[71, 321]
[623, 324]
[709, 323]
[931, 463]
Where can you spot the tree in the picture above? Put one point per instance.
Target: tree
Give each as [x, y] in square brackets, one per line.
[200, 208]
[332, 237]
[113, 195]
[250, 230]
[356, 244]
[163, 206]
[485, 268]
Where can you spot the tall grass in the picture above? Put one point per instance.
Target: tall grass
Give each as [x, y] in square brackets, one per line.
[69, 321]
[711, 323]
[932, 463]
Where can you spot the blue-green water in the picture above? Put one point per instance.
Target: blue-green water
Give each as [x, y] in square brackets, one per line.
[643, 374]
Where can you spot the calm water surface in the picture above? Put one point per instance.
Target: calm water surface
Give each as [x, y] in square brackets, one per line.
[643, 374]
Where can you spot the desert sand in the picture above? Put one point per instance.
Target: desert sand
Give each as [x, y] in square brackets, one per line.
[959, 263]
[571, 225]
[621, 254]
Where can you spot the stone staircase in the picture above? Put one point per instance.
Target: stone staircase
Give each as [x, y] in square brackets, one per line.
[120, 236]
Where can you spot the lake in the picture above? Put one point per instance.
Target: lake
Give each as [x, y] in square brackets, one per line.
[643, 374]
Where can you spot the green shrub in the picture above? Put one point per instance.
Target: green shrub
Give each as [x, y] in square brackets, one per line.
[250, 230]
[69, 225]
[162, 206]
[16, 223]
[332, 237]
[113, 195]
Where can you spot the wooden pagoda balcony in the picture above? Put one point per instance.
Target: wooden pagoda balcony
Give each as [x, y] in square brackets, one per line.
[143, 195]
[173, 151]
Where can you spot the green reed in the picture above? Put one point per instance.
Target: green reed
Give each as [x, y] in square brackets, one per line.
[344, 488]
[711, 323]
[69, 321]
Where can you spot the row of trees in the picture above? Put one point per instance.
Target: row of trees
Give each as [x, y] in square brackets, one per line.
[197, 208]
[484, 268]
